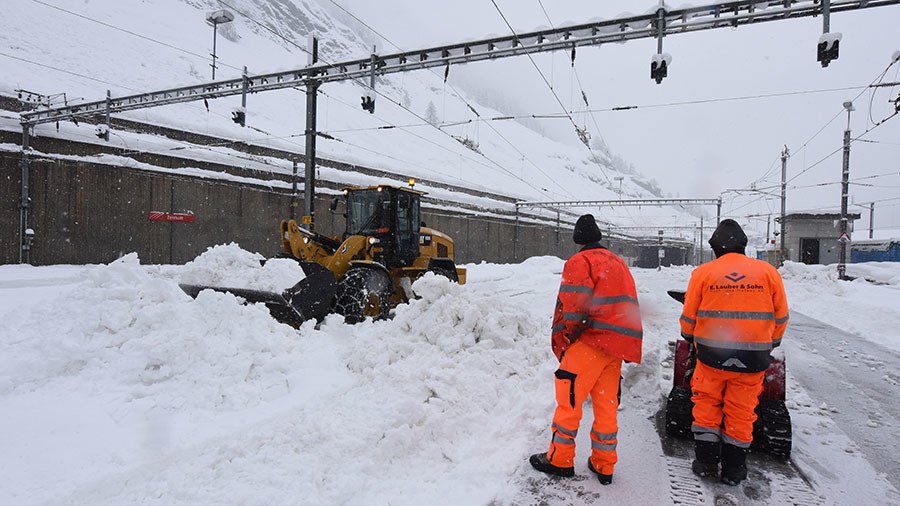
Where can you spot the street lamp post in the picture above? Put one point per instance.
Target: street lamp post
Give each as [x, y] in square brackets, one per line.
[217, 18]
[871, 207]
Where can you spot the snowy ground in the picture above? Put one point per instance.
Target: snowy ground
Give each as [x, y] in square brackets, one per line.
[117, 388]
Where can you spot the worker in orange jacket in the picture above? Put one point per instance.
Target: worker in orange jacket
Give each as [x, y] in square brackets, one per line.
[735, 313]
[596, 325]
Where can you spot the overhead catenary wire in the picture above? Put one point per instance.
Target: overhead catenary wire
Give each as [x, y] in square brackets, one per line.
[558, 116]
[806, 143]
[838, 150]
[459, 96]
[424, 139]
[877, 79]
[549, 86]
[826, 208]
[187, 146]
[381, 94]
[101, 81]
[577, 78]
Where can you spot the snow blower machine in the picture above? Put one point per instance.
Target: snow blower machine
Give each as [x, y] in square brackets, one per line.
[772, 429]
[366, 272]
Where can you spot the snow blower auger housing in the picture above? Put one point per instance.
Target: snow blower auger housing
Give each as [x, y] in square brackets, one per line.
[772, 430]
[365, 272]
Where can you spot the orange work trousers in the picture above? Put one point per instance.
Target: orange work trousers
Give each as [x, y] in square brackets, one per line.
[725, 404]
[586, 371]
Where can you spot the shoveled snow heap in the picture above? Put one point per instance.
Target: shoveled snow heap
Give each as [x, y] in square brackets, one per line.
[230, 266]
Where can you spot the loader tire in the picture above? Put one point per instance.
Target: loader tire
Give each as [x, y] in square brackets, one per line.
[361, 293]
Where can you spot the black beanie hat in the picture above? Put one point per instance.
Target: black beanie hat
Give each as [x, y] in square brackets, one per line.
[586, 230]
[729, 237]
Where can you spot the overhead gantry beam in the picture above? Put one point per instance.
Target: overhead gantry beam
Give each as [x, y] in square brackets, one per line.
[692, 19]
[620, 203]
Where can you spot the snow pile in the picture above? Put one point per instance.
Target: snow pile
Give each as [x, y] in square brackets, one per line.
[230, 266]
[455, 373]
[127, 391]
[862, 307]
[125, 333]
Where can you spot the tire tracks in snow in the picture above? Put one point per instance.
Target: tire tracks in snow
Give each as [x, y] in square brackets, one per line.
[856, 382]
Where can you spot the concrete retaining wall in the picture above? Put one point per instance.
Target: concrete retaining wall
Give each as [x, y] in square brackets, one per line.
[85, 212]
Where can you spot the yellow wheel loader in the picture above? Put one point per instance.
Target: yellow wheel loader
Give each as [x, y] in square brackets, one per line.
[365, 272]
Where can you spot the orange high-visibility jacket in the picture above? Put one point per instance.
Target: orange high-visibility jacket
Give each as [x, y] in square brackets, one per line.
[598, 305]
[735, 312]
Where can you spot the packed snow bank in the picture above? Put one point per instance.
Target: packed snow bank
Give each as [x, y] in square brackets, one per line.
[122, 331]
[127, 391]
[25, 285]
[866, 306]
[125, 367]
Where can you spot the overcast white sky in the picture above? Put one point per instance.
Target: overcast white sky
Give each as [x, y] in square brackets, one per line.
[698, 150]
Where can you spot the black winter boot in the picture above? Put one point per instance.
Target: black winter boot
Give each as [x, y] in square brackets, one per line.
[707, 462]
[540, 462]
[734, 464]
[605, 479]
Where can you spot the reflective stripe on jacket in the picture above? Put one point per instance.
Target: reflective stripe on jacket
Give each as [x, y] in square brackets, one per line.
[598, 305]
[735, 312]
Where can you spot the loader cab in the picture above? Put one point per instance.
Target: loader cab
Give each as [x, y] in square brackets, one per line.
[389, 214]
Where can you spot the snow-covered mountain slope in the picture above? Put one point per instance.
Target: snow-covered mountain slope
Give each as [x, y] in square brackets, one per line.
[105, 44]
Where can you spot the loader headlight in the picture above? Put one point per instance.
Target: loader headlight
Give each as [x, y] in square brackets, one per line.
[373, 240]
[306, 240]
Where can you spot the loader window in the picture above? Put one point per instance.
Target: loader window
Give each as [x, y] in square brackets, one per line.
[364, 211]
[407, 225]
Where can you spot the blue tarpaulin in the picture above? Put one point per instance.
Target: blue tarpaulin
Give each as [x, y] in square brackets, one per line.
[887, 250]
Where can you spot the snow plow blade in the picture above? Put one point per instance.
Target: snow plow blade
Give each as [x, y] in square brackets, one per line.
[677, 295]
[309, 299]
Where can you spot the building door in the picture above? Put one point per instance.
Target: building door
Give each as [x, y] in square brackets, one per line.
[809, 251]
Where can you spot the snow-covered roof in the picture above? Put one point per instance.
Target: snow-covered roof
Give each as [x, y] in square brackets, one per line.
[819, 213]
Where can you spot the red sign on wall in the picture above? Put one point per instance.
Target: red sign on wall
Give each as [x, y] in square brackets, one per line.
[176, 217]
